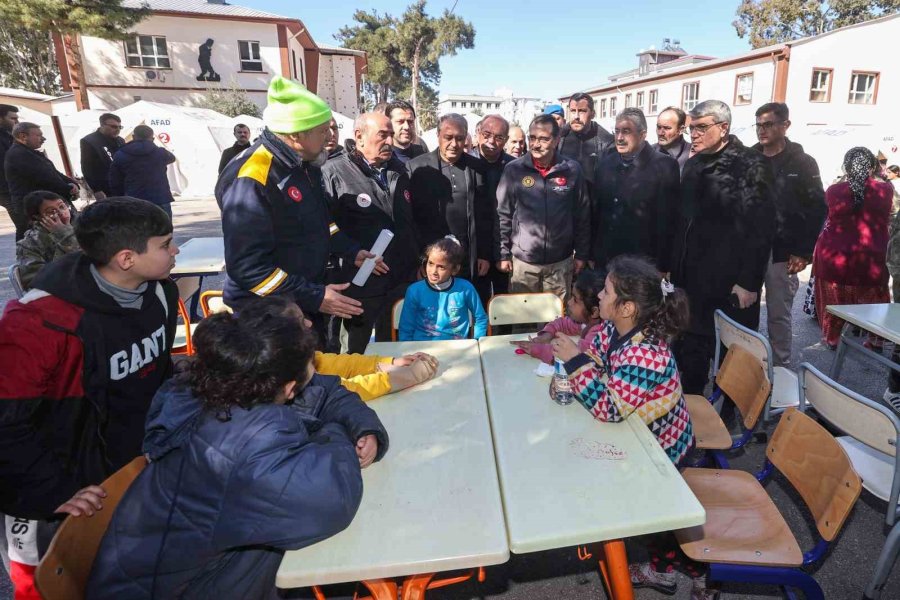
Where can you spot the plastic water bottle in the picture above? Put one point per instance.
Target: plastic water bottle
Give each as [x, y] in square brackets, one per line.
[563, 394]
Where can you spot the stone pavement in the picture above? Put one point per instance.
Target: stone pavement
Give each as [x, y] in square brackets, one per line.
[559, 574]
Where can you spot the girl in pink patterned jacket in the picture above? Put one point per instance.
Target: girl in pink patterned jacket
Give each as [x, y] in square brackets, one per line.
[582, 318]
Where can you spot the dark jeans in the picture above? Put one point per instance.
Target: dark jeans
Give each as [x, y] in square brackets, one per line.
[694, 351]
[894, 376]
[377, 314]
[16, 215]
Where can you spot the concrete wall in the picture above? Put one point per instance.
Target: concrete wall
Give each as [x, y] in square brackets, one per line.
[864, 48]
[337, 83]
[114, 84]
[715, 84]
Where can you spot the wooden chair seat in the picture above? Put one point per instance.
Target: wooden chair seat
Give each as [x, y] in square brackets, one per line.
[709, 430]
[64, 571]
[743, 525]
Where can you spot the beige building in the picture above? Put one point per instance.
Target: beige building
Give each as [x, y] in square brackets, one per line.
[170, 58]
[842, 88]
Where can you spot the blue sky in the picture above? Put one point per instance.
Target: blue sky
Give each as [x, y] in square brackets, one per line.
[543, 49]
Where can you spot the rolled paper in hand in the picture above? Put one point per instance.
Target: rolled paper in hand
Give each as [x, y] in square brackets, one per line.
[381, 244]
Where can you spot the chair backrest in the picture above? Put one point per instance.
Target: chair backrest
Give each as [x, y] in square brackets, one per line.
[187, 286]
[513, 309]
[63, 572]
[16, 281]
[818, 468]
[212, 301]
[396, 311]
[867, 421]
[744, 379]
[730, 332]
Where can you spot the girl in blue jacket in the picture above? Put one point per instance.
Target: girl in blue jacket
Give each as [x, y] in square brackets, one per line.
[441, 306]
[251, 454]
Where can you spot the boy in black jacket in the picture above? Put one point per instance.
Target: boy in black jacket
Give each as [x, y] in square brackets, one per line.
[83, 353]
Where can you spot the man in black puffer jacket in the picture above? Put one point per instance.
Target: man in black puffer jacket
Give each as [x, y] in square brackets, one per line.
[724, 238]
[139, 170]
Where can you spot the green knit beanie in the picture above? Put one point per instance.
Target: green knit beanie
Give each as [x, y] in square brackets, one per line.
[293, 108]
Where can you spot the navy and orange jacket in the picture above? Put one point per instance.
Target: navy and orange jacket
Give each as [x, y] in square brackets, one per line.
[78, 375]
[277, 227]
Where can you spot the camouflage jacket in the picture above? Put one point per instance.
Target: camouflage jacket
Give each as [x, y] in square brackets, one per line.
[40, 247]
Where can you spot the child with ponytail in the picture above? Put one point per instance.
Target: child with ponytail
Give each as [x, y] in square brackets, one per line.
[628, 369]
[629, 364]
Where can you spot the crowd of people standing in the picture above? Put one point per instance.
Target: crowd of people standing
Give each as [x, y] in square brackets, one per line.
[643, 242]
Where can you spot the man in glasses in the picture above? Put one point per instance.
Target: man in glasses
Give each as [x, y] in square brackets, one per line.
[97, 150]
[800, 212]
[725, 236]
[491, 135]
[544, 215]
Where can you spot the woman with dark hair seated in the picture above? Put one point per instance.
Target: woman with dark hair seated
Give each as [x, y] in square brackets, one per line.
[251, 454]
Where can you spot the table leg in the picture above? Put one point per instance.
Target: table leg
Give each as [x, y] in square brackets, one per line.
[614, 568]
[839, 354]
[414, 586]
[381, 589]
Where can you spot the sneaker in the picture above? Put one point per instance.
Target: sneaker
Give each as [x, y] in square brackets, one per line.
[644, 576]
[892, 398]
[699, 591]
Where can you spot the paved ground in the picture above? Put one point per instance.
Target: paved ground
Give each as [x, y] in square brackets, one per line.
[559, 574]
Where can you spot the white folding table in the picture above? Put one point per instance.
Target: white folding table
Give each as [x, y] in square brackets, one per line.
[197, 258]
[568, 479]
[433, 503]
[881, 319]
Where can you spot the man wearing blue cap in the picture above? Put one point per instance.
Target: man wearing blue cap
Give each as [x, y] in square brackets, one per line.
[277, 227]
[556, 111]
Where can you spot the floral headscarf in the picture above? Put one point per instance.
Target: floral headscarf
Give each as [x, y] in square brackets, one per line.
[858, 164]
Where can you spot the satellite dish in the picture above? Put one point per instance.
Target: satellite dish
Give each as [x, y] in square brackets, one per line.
[151, 75]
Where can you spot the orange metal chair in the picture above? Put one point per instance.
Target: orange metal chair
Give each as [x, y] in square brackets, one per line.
[183, 345]
[211, 301]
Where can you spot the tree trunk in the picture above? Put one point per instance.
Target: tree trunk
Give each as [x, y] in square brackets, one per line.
[415, 77]
[76, 72]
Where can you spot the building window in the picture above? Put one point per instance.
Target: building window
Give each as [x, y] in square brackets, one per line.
[462, 104]
[863, 88]
[147, 51]
[452, 104]
[249, 55]
[820, 87]
[654, 102]
[627, 100]
[639, 100]
[743, 89]
[612, 107]
[690, 94]
[603, 108]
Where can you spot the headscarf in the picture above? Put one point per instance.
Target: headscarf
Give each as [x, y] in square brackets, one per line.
[858, 164]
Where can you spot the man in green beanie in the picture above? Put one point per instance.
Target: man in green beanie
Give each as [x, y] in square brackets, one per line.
[278, 230]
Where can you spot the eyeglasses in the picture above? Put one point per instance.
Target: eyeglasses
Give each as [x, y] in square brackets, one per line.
[55, 212]
[487, 136]
[767, 125]
[702, 129]
[533, 139]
